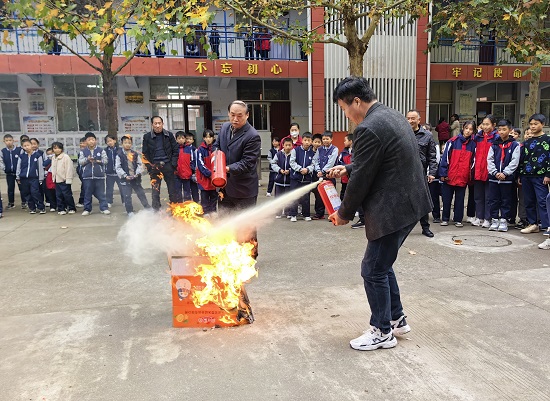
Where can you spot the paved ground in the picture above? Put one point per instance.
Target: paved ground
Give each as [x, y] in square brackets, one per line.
[79, 321]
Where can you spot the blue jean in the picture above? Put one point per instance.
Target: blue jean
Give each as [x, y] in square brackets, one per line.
[500, 199]
[379, 278]
[535, 194]
[30, 188]
[95, 187]
[64, 195]
[459, 192]
[110, 186]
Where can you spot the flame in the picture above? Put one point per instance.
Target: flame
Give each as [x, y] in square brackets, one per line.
[231, 264]
[130, 157]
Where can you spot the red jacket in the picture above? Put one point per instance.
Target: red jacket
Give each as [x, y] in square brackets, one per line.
[204, 167]
[483, 144]
[443, 131]
[186, 162]
[457, 161]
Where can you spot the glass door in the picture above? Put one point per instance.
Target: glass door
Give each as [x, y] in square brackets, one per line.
[173, 114]
[188, 116]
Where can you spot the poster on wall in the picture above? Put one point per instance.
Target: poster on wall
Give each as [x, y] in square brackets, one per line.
[217, 122]
[135, 125]
[34, 125]
[37, 101]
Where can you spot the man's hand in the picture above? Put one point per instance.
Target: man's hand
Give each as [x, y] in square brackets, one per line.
[431, 178]
[337, 220]
[320, 174]
[227, 169]
[337, 172]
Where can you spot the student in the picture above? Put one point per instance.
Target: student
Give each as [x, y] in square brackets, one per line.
[214, 40]
[79, 173]
[10, 156]
[344, 159]
[281, 166]
[29, 173]
[190, 141]
[502, 162]
[326, 159]
[274, 149]
[316, 143]
[93, 160]
[455, 172]
[49, 184]
[302, 166]
[535, 174]
[36, 148]
[129, 168]
[62, 172]
[484, 140]
[185, 169]
[209, 195]
[110, 170]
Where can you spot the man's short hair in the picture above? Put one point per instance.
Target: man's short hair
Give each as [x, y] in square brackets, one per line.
[327, 133]
[351, 87]
[159, 117]
[414, 111]
[83, 139]
[208, 133]
[286, 140]
[36, 140]
[89, 135]
[538, 117]
[349, 137]
[126, 138]
[317, 136]
[57, 145]
[180, 134]
[25, 140]
[24, 136]
[110, 136]
[505, 123]
[307, 134]
[275, 138]
[8, 136]
[239, 103]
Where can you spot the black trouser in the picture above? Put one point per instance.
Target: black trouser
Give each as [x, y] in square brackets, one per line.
[303, 201]
[127, 186]
[249, 53]
[10, 178]
[471, 208]
[157, 173]
[228, 205]
[64, 195]
[51, 197]
[209, 200]
[435, 192]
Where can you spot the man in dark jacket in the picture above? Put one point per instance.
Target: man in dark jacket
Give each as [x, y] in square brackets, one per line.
[428, 157]
[387, 179]
[160, 155]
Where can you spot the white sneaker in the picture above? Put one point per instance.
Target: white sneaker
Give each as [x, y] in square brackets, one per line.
[503, 226]
[131, 214]
[106, 211]
[476, 222]
[486, 224]
[43, 211]
[268, 194]
[61, 213]
[79, 205]
[288, 217]
[307, 218]
[86, 213]
[494, 225]
[47, 204]
[400, 326]
[109, 205]
[470, 219]
[72, 211]
[293, 219]
[52, 210]
[545, 244]
[373, 339]
[278, 216]
[356, 214]
[444, 223]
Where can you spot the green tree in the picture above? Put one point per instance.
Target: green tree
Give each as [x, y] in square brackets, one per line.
[522, 24]
[343, 16]
[103, 24]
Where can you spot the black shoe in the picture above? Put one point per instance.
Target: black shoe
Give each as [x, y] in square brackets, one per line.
[436, 220]
[359, 224]
[427, 232]
[521, 225]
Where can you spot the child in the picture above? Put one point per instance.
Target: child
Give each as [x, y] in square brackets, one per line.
[535, 174]
[281, 166]
[455, 171]
[10, 156]
[49, 184]
[110, 170]
[35, 148]
[190, 140]
[502, 162]
[484, 140]
[345, 159]
[184, 171]
[274, 149]
[302, 164]
[29, 173]
[316, 143]
[62, 173]
[129, 168]
[93, 160]
[79, 172]
[209, 195]
[326, 159]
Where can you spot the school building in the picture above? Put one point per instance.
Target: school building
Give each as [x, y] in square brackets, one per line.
[56, 96]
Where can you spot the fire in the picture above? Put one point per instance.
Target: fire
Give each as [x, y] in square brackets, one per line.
[130, 157]
[231, 264]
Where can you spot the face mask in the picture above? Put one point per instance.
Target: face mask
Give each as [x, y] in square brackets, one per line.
[294, 134]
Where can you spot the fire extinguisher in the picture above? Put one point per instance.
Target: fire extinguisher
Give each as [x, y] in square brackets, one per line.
[219, 175]
[329, 195]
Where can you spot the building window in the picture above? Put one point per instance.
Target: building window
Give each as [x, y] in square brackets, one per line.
[263, 90]
[179, 89]
[79, 103]
[504, 111]
[9, 104]
[545, 103]
[259, 116]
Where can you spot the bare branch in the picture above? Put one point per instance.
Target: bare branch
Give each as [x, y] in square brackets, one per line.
[115, 72]
[375, 20]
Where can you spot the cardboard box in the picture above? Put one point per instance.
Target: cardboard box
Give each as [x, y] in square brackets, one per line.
[184, 283]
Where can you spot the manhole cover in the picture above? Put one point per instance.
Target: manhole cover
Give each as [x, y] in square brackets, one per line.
[481, 240]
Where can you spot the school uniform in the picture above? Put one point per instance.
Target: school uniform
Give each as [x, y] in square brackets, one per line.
[10, 157]
[184, 173]
[93, 177]
[301, 158]
[481, 174]
[209, 195]
[128, 163]
[281, 161]
[270, 155]
[110, 174]
[29, 173]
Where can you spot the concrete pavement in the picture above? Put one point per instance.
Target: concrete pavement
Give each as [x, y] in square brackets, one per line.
[79, 321]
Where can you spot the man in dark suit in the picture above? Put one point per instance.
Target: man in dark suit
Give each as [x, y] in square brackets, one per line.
[160, 153]
[387, 180]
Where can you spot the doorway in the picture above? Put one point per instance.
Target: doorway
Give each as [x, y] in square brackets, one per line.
[188, 115]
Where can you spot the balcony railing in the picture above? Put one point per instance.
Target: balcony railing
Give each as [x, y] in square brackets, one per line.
[231, 45]
[475, 52]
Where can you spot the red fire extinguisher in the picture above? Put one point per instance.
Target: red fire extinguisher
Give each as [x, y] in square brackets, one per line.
[219, 175]
[329, 195]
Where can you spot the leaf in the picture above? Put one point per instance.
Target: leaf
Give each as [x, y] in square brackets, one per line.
[119, 31]
[101, 12]
[506, 17]
[5, 37]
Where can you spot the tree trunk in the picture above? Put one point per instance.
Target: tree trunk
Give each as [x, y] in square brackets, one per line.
[356, 56]
[109, 95]
[534, 84]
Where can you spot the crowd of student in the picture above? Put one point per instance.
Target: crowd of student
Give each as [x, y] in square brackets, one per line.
[505, 178]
